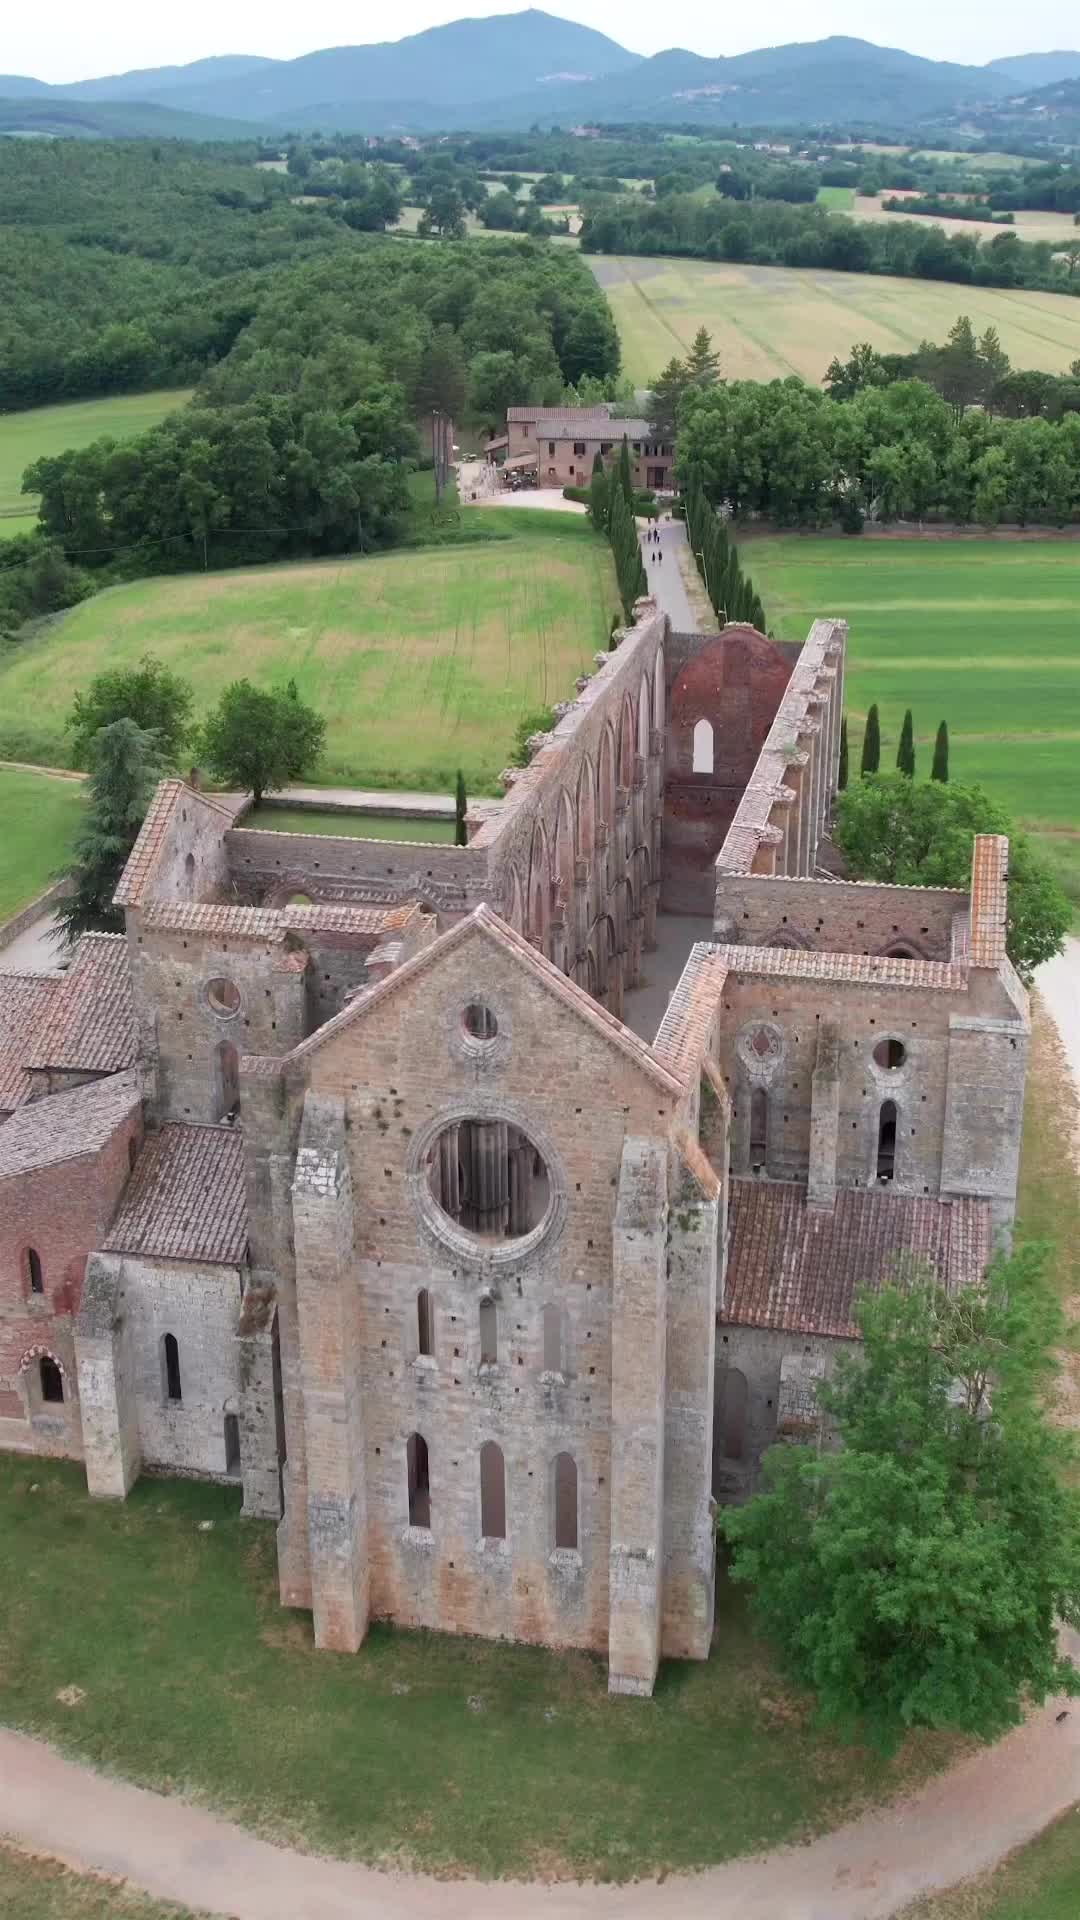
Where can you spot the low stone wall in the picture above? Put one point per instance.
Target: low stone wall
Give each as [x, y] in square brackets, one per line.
[11, 929]
[836, 916]
[264, 865]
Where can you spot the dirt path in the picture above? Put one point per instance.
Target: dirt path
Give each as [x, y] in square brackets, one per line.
[957, 1826]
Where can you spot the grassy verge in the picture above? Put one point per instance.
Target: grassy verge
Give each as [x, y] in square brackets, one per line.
[422, 1750]
[350, 826]
[39, 816]
[1038, 1882]
[46, 431]
[33, 1889]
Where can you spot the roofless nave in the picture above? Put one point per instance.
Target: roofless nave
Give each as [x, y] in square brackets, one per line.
[371, 1201]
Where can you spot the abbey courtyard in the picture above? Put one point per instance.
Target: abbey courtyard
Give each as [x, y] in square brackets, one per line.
[378, 1179]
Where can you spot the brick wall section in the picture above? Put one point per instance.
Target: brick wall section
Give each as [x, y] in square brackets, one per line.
[735, 683]
[266, 866]
[61, 1211]
[837, 916]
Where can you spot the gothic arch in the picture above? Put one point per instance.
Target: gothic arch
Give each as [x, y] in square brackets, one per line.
[539, 915]
[627, 740]
[515, 908]
[659, 699]
[586, 809]
[902, 947]
[605, 779]
[644, 718]
[787, 937]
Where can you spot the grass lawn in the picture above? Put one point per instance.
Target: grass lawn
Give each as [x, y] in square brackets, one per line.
[422, 661]
[49, 430]
[33, 1889]
[980, 633]
[351, 826]
[767, 322]
[197, 1682]
[837, 199]
[39, 816]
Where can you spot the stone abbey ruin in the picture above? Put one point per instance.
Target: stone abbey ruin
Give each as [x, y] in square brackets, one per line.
[345, 1174]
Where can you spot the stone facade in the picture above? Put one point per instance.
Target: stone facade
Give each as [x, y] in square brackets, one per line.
[484, 1298]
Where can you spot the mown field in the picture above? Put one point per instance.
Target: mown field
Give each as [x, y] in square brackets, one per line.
[422, 661]
[1028, 224]
[981, 633]
[50, 430]
[768, 322]
[38, 817]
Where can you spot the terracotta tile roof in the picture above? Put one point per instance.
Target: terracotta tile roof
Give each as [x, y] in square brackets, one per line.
[90, 1027]
[684, 1030]
[697, 1162]
[989, 900]
[798, 1268]
[186, 1198]
[67, 1126]
[613, 430]
[864, 969]
[482, 920]
[568, 414]
[25, 999]
[271, 924]
[339, 917]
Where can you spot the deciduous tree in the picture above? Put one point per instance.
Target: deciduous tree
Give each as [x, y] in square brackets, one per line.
[258, 740]
[150, 694]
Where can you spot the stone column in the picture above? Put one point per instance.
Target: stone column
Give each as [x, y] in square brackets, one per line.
[106, 1371]
[824, 1119]
[638, 1367]
[689, 1579]
[486, 1197]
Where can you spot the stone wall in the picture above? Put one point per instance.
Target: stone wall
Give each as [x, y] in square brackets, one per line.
[837, 916]
[748, 1417]
[269, 868]
[199, 1305]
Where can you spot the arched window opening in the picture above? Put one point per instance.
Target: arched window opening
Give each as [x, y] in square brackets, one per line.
[566, 1514]
[489, 1334]
[492, 1492]
[133, 1154]
[890, 1054]
[232, 1444]
[733, 1416]
[171, 1355]
[416, 1455]
[489, 1178]
[759, 1126]
[35, 1271]
[886, 1143]
[901, 952]
[552, 1340]
[52, 1381]
[226, 1079]
[703, 746]
[189, 867]
[425, 1324]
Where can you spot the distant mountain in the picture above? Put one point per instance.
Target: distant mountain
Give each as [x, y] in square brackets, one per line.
[512, 69]
[51, 115]
[1038, 69]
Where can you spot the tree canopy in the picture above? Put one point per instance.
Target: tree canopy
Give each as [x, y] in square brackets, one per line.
[125, 765]
[917, 1576]
[150, 694]
[913, 833]
[259, 740]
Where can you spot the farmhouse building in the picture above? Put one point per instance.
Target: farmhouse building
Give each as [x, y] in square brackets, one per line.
[354, 1171]
[561, 443]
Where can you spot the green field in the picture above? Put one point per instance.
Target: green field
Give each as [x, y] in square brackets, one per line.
[981, 633]
[39, 816]
[350, 826]
[839, 199]
[422, 661]
[49, 430]
[768, 322]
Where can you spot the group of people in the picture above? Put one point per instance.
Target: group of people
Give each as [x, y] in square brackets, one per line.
[652, 539]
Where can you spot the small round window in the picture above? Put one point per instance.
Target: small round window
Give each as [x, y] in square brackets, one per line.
[479, 1021]
[223, 996]
[890, 1054]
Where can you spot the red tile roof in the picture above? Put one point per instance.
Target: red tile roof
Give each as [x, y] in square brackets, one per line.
[684, 1031]
[989, 900]
[67, 1126]
[798, 1268]
[865, 969]
[25, 999]
[90, 1027]
[186, 1198]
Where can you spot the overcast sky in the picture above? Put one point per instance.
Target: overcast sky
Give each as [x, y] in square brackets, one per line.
[71, 41]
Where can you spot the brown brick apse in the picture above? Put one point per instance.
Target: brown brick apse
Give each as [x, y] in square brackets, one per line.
[345, 1179]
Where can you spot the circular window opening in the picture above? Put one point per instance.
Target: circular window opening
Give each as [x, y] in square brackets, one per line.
[890, 1053]
[479, 1021]
[489, 1179]
[223, 996]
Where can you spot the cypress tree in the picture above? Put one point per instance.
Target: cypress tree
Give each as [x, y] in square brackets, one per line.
[871, 746]
[905, 752]
[461, 807]
[599, 496]
[124, 767]
[626, 480]
[841, 776]
[940, 768]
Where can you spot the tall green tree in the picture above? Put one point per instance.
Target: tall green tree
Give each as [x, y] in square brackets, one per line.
[624, 479]
[940, 768]
[912, 833]
[871, 746]
[916, 1577]
[599, 494]
[905, 752]
[667, 394]
[150, 694]
[702, 364]
[461, 808]
[258, 740]
[842, 770]
[125, 763]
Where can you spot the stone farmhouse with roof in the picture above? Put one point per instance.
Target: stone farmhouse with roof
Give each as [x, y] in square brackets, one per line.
[342, 1174]
[560, 443]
